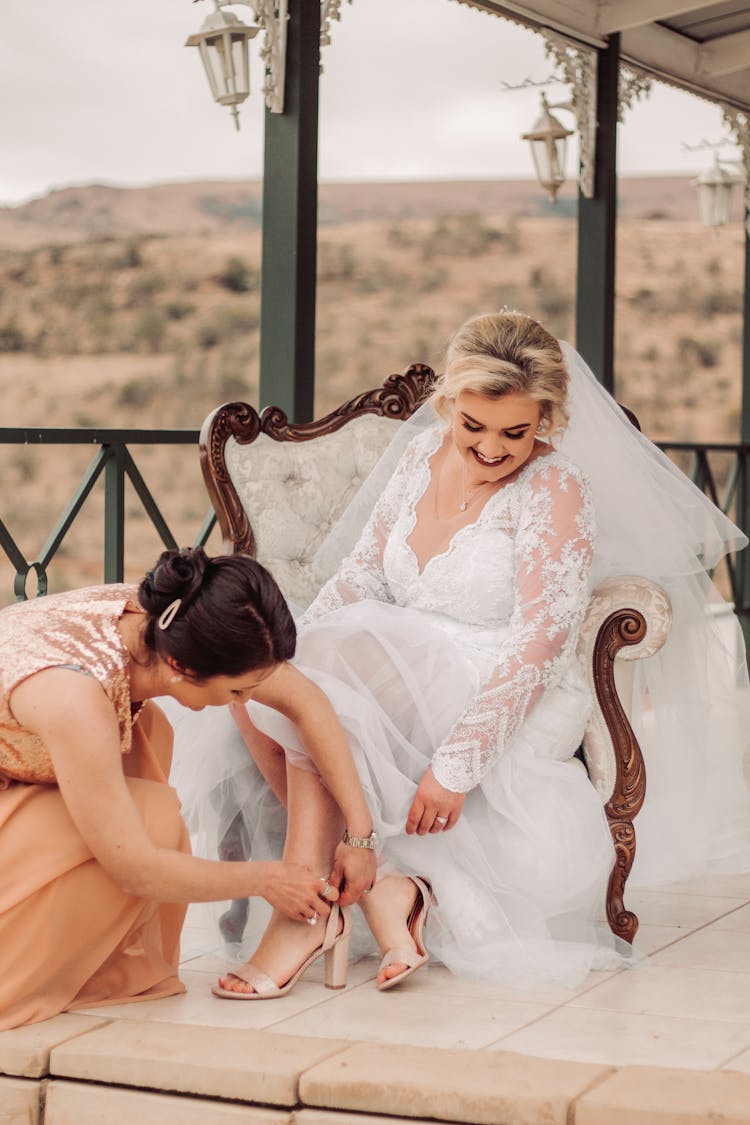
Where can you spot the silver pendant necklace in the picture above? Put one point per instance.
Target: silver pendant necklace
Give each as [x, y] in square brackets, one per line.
[465, 501]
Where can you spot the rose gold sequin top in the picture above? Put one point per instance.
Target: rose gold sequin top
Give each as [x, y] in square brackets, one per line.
[79, 628]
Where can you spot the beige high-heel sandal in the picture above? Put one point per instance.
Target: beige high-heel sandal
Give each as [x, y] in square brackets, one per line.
[335, 948]
[416, 923]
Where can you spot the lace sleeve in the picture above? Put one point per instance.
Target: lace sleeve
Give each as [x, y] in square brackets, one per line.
[553, 553]
[360, 575]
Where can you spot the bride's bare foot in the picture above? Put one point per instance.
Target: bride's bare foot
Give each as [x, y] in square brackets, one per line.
[387, 910]
[285, 946]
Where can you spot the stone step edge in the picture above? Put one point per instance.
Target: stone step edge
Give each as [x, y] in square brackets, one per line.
[479, 1087]
[631, 1096]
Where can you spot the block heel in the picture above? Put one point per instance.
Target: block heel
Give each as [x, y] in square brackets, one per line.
[337, 956]
[334, 948]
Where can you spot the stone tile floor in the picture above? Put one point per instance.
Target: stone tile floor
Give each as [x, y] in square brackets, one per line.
[686, 1006]
[665, 1044]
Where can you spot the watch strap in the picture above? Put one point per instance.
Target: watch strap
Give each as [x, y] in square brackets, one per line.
[360, 841]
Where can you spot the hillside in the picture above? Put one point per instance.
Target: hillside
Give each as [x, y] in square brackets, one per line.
[113, 317]
[210, 207]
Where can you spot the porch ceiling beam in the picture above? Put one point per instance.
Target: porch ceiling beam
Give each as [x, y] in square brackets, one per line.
[726, 54]
[668, 55]
[663, 50]
[573, 18]
[676, 60]
[619, 15]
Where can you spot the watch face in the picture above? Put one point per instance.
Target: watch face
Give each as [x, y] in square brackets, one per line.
[370, 841]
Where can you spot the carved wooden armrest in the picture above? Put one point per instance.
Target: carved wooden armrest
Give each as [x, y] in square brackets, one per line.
[628, 619]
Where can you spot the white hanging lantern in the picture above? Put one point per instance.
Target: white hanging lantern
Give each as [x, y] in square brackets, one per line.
[223, 44]
[715, 186]
[548, 138]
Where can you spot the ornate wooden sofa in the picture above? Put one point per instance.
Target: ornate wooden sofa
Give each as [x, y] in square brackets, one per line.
[277, 489]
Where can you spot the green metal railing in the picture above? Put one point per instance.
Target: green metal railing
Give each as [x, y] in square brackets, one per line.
[720, 470]
[114, 460]
[728, 485]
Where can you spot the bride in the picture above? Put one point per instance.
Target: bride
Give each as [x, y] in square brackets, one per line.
[446, 643]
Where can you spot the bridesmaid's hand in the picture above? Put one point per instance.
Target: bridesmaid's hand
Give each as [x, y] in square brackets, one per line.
[434, 809]
[295, 891]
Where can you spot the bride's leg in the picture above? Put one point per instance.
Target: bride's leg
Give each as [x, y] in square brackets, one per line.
[386, 909]
[314, 828]
[266, 753]
[270, 759]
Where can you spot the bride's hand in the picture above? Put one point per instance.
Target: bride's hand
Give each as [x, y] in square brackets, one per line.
[294, 890]
[434, 809]
[353, 872]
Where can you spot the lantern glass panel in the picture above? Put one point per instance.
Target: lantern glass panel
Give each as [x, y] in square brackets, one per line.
[226, 61]
[549, 159]
[207, 58]
[714, 200]
[240, 66]
[218, 65]
[722, 204]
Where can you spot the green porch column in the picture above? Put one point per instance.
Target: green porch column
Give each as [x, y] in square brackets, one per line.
[597, 217]
[290, 217]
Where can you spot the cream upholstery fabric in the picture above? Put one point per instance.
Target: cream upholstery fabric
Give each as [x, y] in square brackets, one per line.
[293, 493]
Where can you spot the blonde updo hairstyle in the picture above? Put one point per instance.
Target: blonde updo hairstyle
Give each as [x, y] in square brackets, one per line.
[495, 354]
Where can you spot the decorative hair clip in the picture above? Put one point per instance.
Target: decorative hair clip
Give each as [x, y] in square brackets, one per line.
[170, 613]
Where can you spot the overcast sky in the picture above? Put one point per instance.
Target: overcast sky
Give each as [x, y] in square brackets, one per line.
[104, 91]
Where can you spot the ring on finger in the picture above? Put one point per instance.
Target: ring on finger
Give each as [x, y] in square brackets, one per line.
[312, 921]
[441, 819]
[328, 890]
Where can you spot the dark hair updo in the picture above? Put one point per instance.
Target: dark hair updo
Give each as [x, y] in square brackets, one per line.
[232, 617]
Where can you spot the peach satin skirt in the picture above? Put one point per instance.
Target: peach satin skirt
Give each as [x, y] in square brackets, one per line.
[70, 937]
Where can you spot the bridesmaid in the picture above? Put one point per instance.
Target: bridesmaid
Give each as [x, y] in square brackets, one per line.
[94, 854]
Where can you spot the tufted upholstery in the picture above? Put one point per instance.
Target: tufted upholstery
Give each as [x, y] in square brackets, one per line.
[278, 489]
[311, 482]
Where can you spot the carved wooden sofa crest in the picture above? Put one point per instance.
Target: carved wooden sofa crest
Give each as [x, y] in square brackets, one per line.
[258, 466]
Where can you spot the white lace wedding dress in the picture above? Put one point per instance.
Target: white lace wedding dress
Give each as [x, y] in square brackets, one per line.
[468, 665]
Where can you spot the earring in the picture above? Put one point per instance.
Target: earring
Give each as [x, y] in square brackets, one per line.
[177, 679]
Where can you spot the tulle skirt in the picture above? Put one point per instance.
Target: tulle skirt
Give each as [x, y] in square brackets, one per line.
[521, 880]
[692, 721]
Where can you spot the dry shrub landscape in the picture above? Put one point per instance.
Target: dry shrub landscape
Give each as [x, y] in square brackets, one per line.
[140, 308]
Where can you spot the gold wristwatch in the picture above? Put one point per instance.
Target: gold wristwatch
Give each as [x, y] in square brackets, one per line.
[370, 842]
